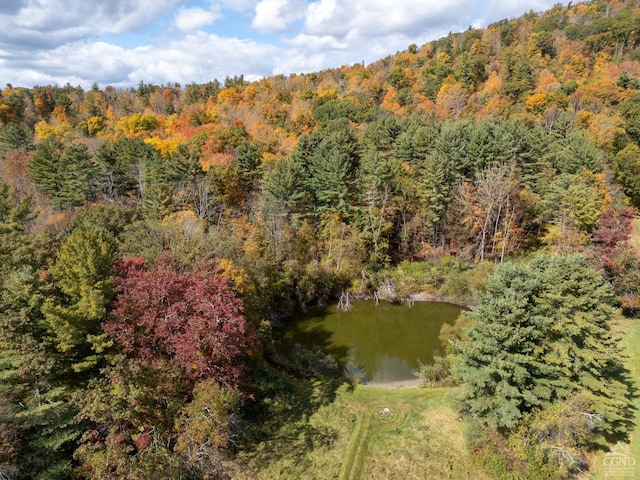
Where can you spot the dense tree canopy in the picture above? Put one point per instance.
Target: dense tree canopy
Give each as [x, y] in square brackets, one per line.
[253, 201]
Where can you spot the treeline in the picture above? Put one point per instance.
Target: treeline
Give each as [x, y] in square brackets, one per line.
[122, 211]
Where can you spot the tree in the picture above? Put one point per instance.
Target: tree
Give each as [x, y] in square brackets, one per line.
[489, 207]
[574, 153]
[192, 320]
[330, 179]
[82, 272]
[129, 412]
[13, 214]
[33, 393]
[121, 167]
[283, 186]
[617, 260]
[375, 209]
[248, 157]
[38, 380]
[573, 204]
[44, 168]
[15, 137]
[542, 333]
[64, 172]
[207, 425]
[630, 111]
[627, 168]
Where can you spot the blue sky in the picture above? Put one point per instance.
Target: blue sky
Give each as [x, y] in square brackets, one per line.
[121, 42]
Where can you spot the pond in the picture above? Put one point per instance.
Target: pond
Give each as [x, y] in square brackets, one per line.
[376, 344]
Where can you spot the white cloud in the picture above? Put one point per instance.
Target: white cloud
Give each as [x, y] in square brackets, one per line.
[48, 24]
[189, 19]
[277, 15]
[514, 8]
[317, 42]
[342, 32]
[197, 57]
[119, 16]
[375, 18]
[54, 41]
[297, 62]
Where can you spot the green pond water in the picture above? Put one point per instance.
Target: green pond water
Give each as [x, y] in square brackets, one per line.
[376, 344]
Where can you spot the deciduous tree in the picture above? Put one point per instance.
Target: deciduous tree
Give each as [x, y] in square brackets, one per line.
[192, 320]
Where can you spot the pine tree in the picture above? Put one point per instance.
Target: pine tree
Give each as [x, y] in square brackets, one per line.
[35, 380]
[64, 172]
[330, 179]
[15, 137]
[543, 333]
[82, 273]
[284, 190]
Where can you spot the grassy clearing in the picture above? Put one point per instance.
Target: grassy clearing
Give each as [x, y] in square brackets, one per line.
[634, 241]
[373, 433]
[630, 331]
[631, 342]
[632, 350]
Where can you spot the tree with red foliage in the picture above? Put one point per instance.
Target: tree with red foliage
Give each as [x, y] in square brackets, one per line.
[616, 259]
[191, 319]
[614, 229]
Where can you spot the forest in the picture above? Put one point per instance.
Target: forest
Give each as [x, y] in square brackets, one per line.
[155, 240]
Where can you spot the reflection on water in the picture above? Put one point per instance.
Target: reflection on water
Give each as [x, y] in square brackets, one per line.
[377, 344]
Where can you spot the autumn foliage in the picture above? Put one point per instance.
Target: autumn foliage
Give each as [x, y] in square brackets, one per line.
[419, 171]
[191, 319]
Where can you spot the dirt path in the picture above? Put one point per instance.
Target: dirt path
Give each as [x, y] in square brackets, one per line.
[357, 450]
[371, 421]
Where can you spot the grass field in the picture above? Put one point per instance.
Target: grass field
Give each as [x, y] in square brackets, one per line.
[631, 341]
[630, 330]
[373, 433]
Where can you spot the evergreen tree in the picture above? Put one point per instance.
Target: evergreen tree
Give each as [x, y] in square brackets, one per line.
[305, 148]
[330, 179]
[542, 333]
[64, 172]
[121, 167]
[627, 170]
[573, 153]
[15, 136]
[82, 273]
[44, 168]
[33, 383]
[34, 401]
[161, 178]
[248, 158]
[78, 175]
[284, 189]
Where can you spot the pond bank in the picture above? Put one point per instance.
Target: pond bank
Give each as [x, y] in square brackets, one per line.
[409, 383]
[415, 297]
[429, 297]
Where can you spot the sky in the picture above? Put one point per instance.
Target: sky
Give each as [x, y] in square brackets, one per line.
[123, 42]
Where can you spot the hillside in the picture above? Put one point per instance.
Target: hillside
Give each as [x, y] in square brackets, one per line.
[156, 240]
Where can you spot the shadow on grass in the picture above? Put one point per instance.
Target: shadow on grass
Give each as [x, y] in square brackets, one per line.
[625, 424]
[298, 379]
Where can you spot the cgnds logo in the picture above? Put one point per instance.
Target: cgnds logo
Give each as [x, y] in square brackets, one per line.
[619, 463]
